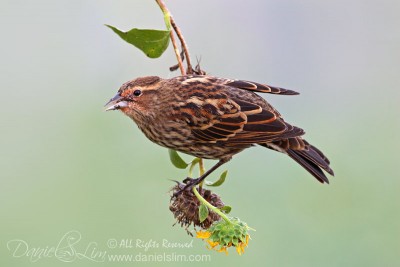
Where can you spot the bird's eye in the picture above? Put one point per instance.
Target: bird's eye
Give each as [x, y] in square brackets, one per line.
[137, 93]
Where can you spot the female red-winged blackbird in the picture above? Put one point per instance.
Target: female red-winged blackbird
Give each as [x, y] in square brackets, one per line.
[214, 118]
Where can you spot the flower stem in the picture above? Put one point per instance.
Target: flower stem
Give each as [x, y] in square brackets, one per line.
[211, 207]
[201, 167]
[184, 45]
[168, 21]
[202, 170]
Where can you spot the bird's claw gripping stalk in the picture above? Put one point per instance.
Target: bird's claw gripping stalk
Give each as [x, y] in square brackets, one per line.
[187, 184]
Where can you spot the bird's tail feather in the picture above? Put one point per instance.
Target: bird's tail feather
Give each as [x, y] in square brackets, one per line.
[308, 156]
[313, 160]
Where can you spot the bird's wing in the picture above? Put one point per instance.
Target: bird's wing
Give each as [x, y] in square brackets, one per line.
[237, 121]
[211, 119]
[257, 87]
[262, 125]
[241, 84]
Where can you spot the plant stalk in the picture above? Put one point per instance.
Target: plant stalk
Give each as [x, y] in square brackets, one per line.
[211, 207]
[169, 20]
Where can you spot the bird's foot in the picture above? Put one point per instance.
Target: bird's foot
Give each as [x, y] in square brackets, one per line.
[188, 184]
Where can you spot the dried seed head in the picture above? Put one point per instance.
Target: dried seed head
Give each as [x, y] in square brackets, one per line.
[185, 207]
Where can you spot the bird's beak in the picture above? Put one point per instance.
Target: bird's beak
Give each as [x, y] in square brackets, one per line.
[116, 102]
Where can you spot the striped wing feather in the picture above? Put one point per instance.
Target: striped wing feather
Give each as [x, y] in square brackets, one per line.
[238, 121]
[257, 87]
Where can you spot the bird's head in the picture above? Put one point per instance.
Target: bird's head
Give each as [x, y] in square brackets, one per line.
[137, 97]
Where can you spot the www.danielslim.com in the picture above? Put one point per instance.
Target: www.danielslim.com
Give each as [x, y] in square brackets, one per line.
[158, 257]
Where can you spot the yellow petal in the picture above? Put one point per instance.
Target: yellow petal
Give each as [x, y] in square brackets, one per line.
[247, 239]
[223, 249]
[239, 250]
[242, 247]
[203, 234]
[212, 244]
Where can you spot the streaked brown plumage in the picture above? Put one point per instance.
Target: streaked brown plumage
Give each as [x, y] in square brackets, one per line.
[214, 118]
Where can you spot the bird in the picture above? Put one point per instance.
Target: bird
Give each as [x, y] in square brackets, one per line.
[214, 118]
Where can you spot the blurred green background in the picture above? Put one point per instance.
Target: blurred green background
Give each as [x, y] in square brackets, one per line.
[67, 165]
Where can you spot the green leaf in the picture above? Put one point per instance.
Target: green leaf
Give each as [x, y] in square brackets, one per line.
[235, 241]
[176, 159]
[226, 209]
[152, 42]
[227, 240]
[203, 212]
[220, 181]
